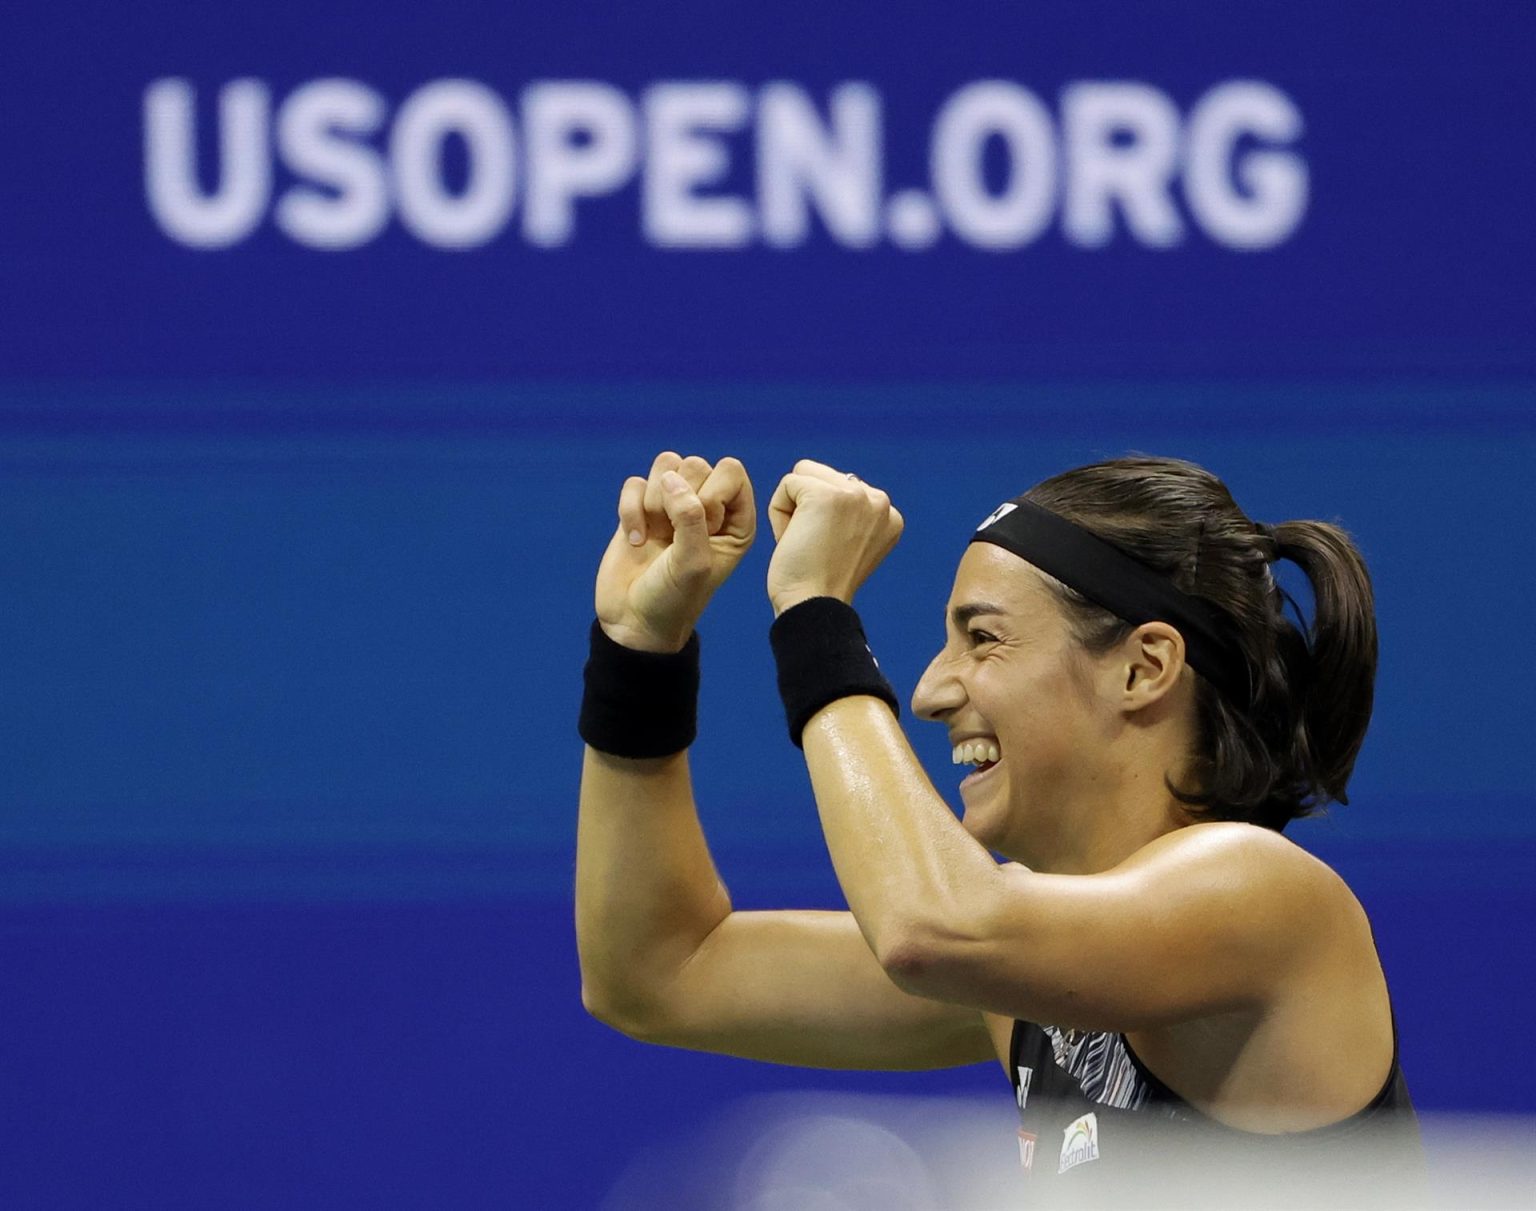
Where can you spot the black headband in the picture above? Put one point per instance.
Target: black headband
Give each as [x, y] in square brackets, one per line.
[1124, 586]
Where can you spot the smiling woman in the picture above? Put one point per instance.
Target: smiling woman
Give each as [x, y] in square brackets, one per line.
[1144, 718]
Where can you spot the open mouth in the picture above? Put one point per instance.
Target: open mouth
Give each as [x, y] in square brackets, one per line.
[982, 755]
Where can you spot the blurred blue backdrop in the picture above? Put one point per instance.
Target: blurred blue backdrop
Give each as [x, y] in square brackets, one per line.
[313, 415]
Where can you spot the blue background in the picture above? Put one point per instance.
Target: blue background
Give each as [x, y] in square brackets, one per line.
[296, 553]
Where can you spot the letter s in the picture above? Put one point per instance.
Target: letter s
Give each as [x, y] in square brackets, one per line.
[310, 137]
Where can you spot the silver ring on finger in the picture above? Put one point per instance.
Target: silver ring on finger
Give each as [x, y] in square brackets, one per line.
[854, 477]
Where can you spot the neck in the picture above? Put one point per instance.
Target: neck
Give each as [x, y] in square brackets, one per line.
[1112, 815]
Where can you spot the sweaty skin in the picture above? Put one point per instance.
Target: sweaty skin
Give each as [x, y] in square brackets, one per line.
[1241, 968]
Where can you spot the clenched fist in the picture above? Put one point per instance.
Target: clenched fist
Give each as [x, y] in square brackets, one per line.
[682, 531]
[832, 531]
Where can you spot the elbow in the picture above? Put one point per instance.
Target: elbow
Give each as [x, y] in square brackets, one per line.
[598, 1004]
[948, 954]
[614, 992]
[906, 962]
[627, 1014]
[641, 1012]
[922, 958]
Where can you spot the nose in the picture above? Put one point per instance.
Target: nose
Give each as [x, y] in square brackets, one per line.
[938, 691]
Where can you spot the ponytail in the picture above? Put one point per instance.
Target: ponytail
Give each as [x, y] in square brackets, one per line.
[1339, 688]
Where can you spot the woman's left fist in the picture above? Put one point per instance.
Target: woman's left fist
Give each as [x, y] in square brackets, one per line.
[832, 531]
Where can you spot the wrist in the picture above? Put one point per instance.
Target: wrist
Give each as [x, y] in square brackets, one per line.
[790, 598]
[822, 656]
[639, 703]
[640, 639]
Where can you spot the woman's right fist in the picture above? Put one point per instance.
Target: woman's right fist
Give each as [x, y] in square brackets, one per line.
[682, 531]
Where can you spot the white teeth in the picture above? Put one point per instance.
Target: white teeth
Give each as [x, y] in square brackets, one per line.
[974, 753]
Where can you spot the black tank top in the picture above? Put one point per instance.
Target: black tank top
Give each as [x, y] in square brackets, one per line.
[1097, 1128]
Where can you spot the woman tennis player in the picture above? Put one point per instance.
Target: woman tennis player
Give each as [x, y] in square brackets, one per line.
[1166, 980]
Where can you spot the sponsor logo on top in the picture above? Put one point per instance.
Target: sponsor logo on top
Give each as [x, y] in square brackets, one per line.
[996, 516]
[1026, 1075]
[1027, 1151]
[1080, 1143]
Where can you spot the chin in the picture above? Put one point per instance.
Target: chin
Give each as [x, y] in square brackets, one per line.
[999, 832]
[987, 831]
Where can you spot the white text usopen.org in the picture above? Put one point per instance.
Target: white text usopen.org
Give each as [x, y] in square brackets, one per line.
[333, 162]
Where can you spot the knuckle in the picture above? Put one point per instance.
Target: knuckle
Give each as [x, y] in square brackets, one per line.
[666, 461]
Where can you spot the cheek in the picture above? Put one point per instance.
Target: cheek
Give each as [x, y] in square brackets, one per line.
[1038, 725]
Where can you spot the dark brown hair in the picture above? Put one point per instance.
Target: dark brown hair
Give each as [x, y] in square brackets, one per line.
[1291, 747]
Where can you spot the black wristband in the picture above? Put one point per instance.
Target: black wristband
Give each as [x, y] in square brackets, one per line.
[639, 704]
[822, 655]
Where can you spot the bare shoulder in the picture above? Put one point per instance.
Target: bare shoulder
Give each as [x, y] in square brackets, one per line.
[1315, 1042]
[1251, 858]
[1252, 883]
[1209, 919]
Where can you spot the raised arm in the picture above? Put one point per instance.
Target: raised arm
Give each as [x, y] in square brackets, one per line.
[663, 955]
[1196, 923]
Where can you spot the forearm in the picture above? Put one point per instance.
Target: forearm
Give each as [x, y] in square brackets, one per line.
[647, 893]
[913, 877]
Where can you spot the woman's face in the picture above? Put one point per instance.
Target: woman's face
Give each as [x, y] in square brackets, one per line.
[1011, 675]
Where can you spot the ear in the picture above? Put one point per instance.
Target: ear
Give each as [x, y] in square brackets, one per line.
[1152, 665]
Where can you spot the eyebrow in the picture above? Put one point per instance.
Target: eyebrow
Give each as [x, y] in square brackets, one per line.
[963, 614]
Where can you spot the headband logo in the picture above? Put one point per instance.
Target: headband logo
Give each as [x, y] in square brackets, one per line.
[998, 514]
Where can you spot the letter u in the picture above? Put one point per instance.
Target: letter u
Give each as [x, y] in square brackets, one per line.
[177, 201]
